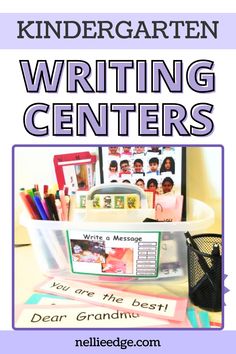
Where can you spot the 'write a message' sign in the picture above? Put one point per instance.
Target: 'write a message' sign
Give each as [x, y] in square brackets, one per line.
[126, 253]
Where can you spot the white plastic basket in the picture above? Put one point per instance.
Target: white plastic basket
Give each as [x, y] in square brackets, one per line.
[49, 237]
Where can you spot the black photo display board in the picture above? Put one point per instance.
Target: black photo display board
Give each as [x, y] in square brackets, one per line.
[162, 167]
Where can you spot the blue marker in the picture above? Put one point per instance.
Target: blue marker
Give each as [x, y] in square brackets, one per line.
[40, 207]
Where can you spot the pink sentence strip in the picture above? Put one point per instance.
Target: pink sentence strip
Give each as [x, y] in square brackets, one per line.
[163, 307]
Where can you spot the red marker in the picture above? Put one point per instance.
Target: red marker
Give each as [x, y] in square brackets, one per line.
[66, 190]
[26, 198]
[45, 190]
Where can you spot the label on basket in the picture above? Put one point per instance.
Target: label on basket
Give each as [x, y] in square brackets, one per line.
[114, 253]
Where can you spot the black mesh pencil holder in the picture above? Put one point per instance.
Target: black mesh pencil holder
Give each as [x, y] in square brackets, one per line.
[204, 271]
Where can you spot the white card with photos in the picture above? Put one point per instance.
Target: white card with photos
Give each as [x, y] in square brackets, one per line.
[150, 167]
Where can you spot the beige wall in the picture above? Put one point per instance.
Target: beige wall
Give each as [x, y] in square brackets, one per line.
[204, 179]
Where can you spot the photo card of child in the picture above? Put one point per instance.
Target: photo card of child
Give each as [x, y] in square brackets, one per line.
[157, 169]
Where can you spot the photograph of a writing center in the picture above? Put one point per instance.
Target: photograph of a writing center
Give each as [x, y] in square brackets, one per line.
[118, 237]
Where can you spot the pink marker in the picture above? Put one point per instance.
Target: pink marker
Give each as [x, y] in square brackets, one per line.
[45, 208]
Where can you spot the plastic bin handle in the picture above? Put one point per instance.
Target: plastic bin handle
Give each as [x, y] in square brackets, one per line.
[115, 188]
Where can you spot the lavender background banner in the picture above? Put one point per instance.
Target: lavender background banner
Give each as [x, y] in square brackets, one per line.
[146, 31]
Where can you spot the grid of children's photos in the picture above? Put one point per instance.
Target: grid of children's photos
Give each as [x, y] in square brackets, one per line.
[154, 168]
